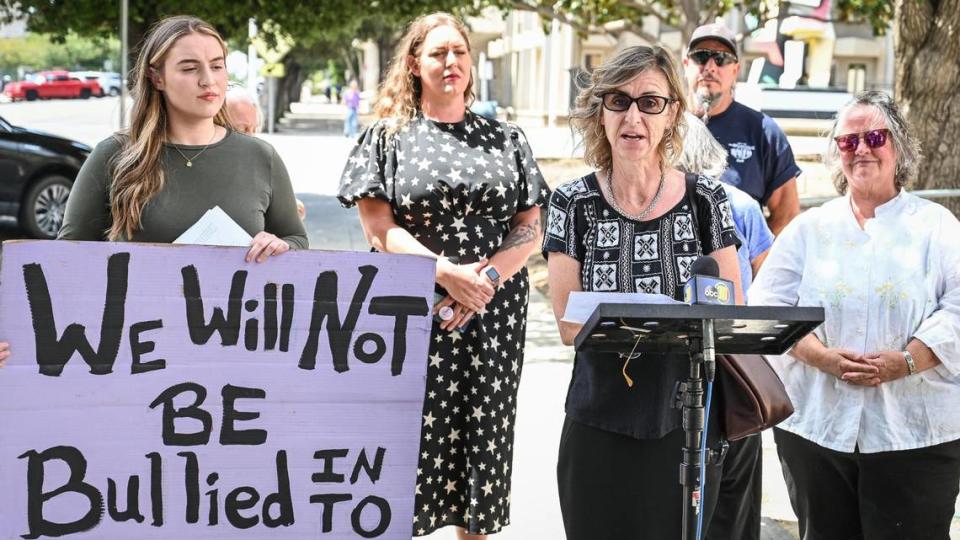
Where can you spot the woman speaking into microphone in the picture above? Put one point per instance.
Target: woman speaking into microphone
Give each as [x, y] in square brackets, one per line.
[629, 227]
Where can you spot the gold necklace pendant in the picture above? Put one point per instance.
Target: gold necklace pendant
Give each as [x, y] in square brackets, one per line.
[202, 150]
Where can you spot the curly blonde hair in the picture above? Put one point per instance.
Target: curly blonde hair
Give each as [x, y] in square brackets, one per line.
[401, 90]
[587, 113]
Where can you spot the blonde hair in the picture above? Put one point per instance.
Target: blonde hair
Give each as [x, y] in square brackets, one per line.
[587, 113]
[136, 169]
[401, 90]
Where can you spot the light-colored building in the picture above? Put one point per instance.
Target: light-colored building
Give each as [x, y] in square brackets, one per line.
[535, 72]
[532, 73]
[15, 29]
[531, 69]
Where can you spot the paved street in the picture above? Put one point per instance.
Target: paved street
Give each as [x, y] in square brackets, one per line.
[315, 161]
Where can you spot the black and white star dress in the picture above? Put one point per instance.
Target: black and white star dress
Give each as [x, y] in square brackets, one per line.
[456, 187]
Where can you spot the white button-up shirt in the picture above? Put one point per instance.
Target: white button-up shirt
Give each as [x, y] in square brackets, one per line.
[896, 279]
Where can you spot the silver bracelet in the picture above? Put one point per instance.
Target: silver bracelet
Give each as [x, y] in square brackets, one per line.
[911, 365]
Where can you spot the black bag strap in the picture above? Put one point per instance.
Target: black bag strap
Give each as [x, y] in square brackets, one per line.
[694, 207]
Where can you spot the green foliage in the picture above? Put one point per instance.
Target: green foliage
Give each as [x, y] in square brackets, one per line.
[36, 52]
[879, 13]
[322, 29]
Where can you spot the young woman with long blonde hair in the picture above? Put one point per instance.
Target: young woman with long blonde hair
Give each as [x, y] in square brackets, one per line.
[181, 156]
[434, 179]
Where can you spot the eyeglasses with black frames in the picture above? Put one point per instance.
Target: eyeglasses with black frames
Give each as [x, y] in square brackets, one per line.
[647, 103]
[702, 56]
[874, 139]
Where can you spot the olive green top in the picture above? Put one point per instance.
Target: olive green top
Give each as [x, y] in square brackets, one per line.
[242, 175]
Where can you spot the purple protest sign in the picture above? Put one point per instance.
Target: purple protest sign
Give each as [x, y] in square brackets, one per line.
[178, 392]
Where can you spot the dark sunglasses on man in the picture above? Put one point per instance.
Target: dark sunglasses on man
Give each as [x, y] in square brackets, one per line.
[648, 104]
[702, 56]
[874, 139]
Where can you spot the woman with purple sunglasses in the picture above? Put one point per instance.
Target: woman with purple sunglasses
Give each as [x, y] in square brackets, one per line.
[873, 449]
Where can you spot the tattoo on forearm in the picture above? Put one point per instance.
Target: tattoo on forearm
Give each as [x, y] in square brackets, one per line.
[521, 234]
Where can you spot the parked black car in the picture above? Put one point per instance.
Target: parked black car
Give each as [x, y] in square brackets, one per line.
[37, 171]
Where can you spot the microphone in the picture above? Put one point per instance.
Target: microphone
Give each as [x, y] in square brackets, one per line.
[705, 286]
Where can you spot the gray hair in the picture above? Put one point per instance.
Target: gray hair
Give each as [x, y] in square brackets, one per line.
[702, 153]
[905, 144]
[237, 96]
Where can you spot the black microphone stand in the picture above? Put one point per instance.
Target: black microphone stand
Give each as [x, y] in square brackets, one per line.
[690, 400]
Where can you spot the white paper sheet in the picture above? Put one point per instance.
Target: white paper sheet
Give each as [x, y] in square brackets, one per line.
[581, 305]
[215, 228]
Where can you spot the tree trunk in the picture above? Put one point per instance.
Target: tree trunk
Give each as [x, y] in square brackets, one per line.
[928, 67]
[351, 64]
[288, 87]
[386, 47]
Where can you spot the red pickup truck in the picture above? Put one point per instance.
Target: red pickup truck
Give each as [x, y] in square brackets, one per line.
[52, 84]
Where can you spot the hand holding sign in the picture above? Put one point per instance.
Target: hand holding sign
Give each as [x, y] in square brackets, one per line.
[4, 352]
[265, 245]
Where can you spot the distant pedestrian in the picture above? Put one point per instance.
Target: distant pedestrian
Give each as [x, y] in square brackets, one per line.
[351, 98]
[433, 179]
[873, 449]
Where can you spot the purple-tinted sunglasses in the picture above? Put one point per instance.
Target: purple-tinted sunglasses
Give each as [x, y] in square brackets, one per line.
[874, 139]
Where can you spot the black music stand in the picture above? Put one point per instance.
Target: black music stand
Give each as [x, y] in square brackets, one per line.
[703, 331]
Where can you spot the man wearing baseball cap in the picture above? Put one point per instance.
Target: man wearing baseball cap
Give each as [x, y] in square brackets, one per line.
[759, 156]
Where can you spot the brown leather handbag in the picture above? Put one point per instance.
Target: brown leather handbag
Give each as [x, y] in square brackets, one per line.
[754, 398]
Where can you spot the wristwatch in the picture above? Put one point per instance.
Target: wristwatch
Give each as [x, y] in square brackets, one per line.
[492, 275]
[911, 365]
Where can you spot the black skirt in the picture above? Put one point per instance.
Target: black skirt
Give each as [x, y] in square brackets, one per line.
[615, 487]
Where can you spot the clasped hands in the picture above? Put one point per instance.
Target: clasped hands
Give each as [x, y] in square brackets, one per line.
[871, 369]
[468, 290]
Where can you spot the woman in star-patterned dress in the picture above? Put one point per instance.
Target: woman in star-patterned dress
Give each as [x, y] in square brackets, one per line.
[630, 227]
[432, 178]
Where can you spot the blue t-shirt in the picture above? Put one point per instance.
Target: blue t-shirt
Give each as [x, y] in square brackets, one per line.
[751, 226]
[759, 157]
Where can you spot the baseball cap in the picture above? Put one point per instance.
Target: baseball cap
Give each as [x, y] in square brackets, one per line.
[716, 32]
